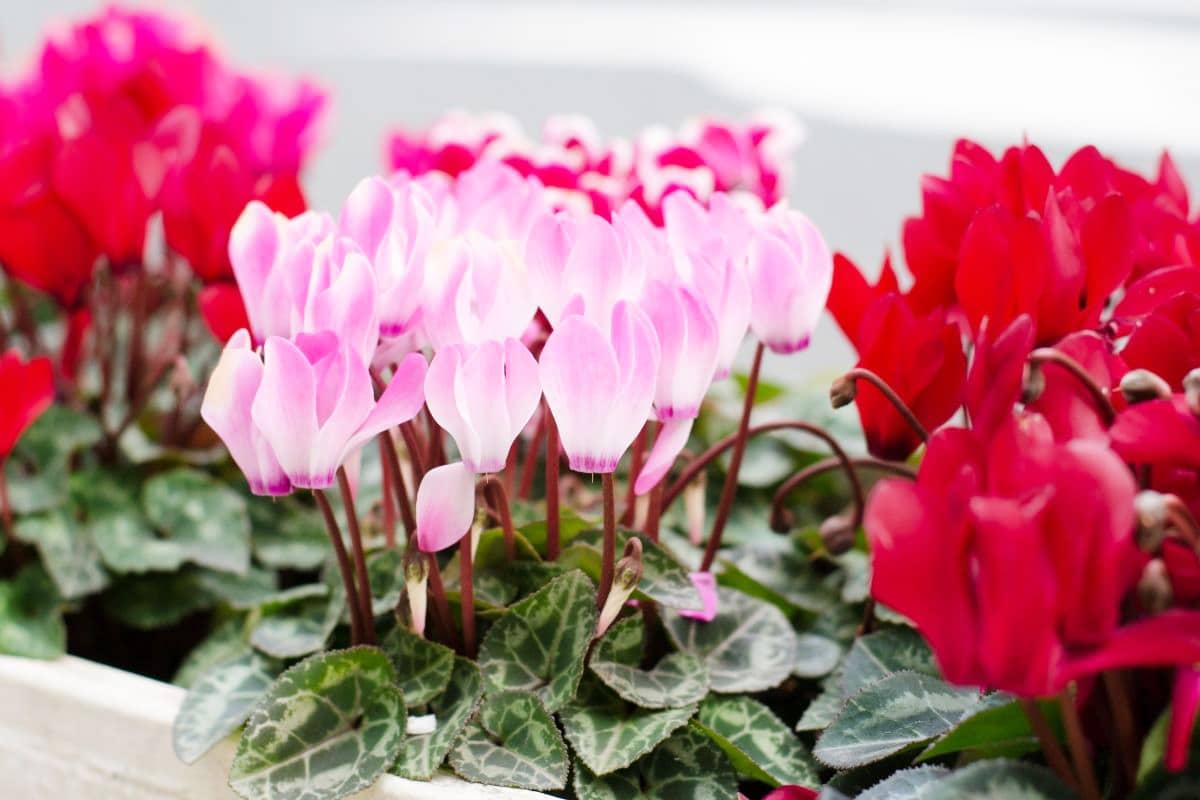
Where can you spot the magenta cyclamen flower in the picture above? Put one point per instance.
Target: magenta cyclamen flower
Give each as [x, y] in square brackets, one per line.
[790, 270]
[483, 396]
[600, 384]
[445, 506]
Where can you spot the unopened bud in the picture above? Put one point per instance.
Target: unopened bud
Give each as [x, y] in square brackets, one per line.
[843, 391]
[837, 534]
[182, 381]
[782, 520]
[627, 573]
[416, 577]
[1140, 385]
[1154, 587]
[1150, 510]
[1191, 390]
[1033, 383]
[693, 506]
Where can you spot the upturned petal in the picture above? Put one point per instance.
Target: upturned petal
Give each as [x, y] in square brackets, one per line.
[445, 506]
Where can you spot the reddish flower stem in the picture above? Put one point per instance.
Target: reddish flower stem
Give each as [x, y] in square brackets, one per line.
[23, 315]
[1085, 771]
[529, 461]
[466, 569]
[654, 512]
[551, 486]
[435, 454]
[609, 555]
[134, 358]
[441, 605]
[392, 463]
[1051, 749]
[502, 510]
[839, 460]
[360, 558]
[412, 442]
[5, 504]
[343, 561]
[1049, 355]
[636, 457]
[860, 373]
[387, 500]
[729, 490]
[1123, 722]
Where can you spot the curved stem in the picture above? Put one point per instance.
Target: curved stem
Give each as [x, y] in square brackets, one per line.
[860, 373]
[343, 561]
[551, 486]
[1049, 355]
[360, 558]
[466, 569]
[729, 490]
[609, 555]
[843, 462]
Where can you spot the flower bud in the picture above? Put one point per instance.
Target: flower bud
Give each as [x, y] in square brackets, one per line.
[837, 534]
[416, 577]
[843, 391]
[1140, 385]
[693, 505]
[626, 574]
[1033, 383]
[1150, 510]
[1154, 587]
[1191, 390]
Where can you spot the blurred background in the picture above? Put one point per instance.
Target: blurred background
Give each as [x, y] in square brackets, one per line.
[883, 88]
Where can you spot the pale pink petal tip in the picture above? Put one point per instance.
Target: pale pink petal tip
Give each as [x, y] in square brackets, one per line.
[706, 586]
[445, 506]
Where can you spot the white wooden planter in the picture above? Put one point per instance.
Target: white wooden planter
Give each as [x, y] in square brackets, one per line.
[76, 729]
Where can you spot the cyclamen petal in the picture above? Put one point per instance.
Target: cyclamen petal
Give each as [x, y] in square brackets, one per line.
[790, 270]
[688, 338]
[400, 401]
[706, 586]
[445, 506]
[672, 438]
[285, 409]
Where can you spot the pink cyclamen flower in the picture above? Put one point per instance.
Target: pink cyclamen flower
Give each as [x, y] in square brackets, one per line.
[395, 226]
[293, 417]
[445, 506]
[600, 384]
[706, 587]
[483, 396]
[790, 270]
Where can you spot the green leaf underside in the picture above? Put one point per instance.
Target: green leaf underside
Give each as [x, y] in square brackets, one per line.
[422, 755]
[679, 679]
[423, 668]
[219, 701]
[31, 623]
[299, 628]
[907, 784]
[204, 518]
[609, 734]
[664, 579]
[890, 715]
[748, 647]
[687, 766]
[999, 779]
[760, 745]
[514, 742]
[67, 550]
[539, 645]
[328, 727]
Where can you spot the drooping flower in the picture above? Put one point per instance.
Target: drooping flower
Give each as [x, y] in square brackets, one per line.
[28, 391]
[445, 506]
[790, 270]
[483, 396]
[599, 384]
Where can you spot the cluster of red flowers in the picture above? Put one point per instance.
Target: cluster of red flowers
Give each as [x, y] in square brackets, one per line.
[597, 174]
[128, 115]
[1077, 295]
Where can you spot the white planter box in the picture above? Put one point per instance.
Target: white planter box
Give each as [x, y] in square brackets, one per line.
[76, 729]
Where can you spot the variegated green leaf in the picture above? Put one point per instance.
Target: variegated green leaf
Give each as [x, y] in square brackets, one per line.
[825, 707]
[883, 653]
[679, 679]
[609, 734]
[540, 643]
[31, 623]
[423, 754]
[422, 667]
[242, 592]
[387, 580]
[748, 647]
[219, 702]
[760, 746]
[907, 784]
[227, 641]
[206, 519]
[513, 741]
[300, 627]
[815, 656]
[287, 535]
[157, 599]
[1001, 779]
[37, 471]
[67, 551]
[996, 726]
[687, 766]
[890, 715]
[327, 728]
[664, 579]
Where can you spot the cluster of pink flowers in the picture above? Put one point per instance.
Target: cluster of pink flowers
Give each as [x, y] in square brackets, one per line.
[127, 115]
[583, 170]
[615, 322]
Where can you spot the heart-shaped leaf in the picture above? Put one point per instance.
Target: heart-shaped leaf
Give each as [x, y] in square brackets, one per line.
[423, 754]
[67, 550]
[513, 742]
[423, 667]
[31, 623]
[890, 715]
[205, 518]
[328, 727]
[664, 580]
[907, 784]
[609, 734]
[679, 679]
[760, 746]
[300, 627]
[227, 641]
[540, 643]
[219, 701]
[748, 647]
[995, 778]
[687, 765]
